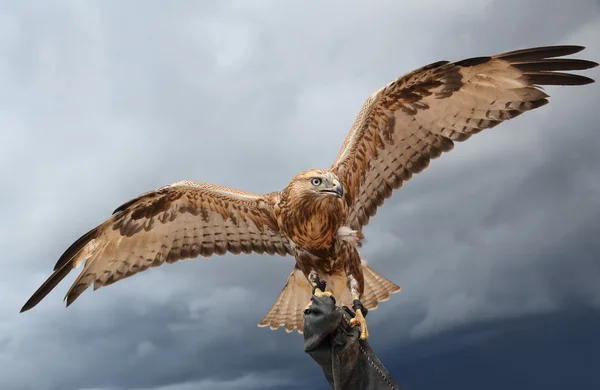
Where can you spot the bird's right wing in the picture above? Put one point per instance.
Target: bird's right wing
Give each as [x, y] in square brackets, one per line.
[179, 221]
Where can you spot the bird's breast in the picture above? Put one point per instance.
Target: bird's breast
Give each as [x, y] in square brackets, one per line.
[311, 224]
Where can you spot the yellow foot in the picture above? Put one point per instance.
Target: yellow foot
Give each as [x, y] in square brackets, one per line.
[318, 294]
[359, 320]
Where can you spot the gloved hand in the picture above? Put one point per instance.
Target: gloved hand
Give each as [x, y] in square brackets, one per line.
[347, 362]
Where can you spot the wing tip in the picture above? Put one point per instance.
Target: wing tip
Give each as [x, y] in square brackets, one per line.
[557, 78]
[541, 52]
[69, 299]
[27, 306]
[584, 64]
[567, 49]
[46, 287]
[585, 80]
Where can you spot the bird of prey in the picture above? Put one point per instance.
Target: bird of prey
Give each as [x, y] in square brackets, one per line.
[319, 217]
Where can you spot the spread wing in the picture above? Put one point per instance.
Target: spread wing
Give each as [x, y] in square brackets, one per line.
[417, 117]
[180, 221]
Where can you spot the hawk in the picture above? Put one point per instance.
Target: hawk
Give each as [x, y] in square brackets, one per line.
[319, 217]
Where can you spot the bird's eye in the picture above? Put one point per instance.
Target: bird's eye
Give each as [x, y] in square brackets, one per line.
[315, 181]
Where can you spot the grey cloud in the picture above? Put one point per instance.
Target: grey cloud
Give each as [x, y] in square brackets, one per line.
[251, 381]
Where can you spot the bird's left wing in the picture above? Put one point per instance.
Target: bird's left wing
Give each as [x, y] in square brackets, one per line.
[417, 117]
[179, 221]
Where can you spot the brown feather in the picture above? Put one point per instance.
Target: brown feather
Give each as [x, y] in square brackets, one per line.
[538, 53]
[550, 64]
[288, 309]
[181, 221]
[75, 248]
[308, 219]
[419, 116]
[57, 276]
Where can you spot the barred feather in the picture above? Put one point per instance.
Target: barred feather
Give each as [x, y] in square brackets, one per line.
[419, 116]
[288, 309]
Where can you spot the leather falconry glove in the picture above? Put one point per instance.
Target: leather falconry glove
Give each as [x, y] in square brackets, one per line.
[347, 362]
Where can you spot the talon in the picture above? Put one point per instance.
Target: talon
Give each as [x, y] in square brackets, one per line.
[319, 285]
[359, 320]
[318, 293]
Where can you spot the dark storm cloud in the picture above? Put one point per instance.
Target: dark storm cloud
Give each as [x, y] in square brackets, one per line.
[105, 100]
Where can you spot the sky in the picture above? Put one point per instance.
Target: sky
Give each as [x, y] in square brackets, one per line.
[495, 245]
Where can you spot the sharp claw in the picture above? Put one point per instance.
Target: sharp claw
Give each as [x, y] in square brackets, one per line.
[319, 285]
[319, 293]
[359, 320]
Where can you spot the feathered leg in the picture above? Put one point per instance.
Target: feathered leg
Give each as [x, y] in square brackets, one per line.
[305, 261]
[318, 286]
[359, 310]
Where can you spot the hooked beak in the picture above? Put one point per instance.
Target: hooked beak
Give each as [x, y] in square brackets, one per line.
[338, 190]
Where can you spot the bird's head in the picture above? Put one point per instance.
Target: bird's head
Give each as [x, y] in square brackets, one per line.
[317, 182]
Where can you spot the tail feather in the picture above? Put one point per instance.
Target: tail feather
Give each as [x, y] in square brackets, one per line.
[288, 309]
[380, 288]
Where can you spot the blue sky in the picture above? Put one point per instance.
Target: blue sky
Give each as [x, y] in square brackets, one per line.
[495, 245]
